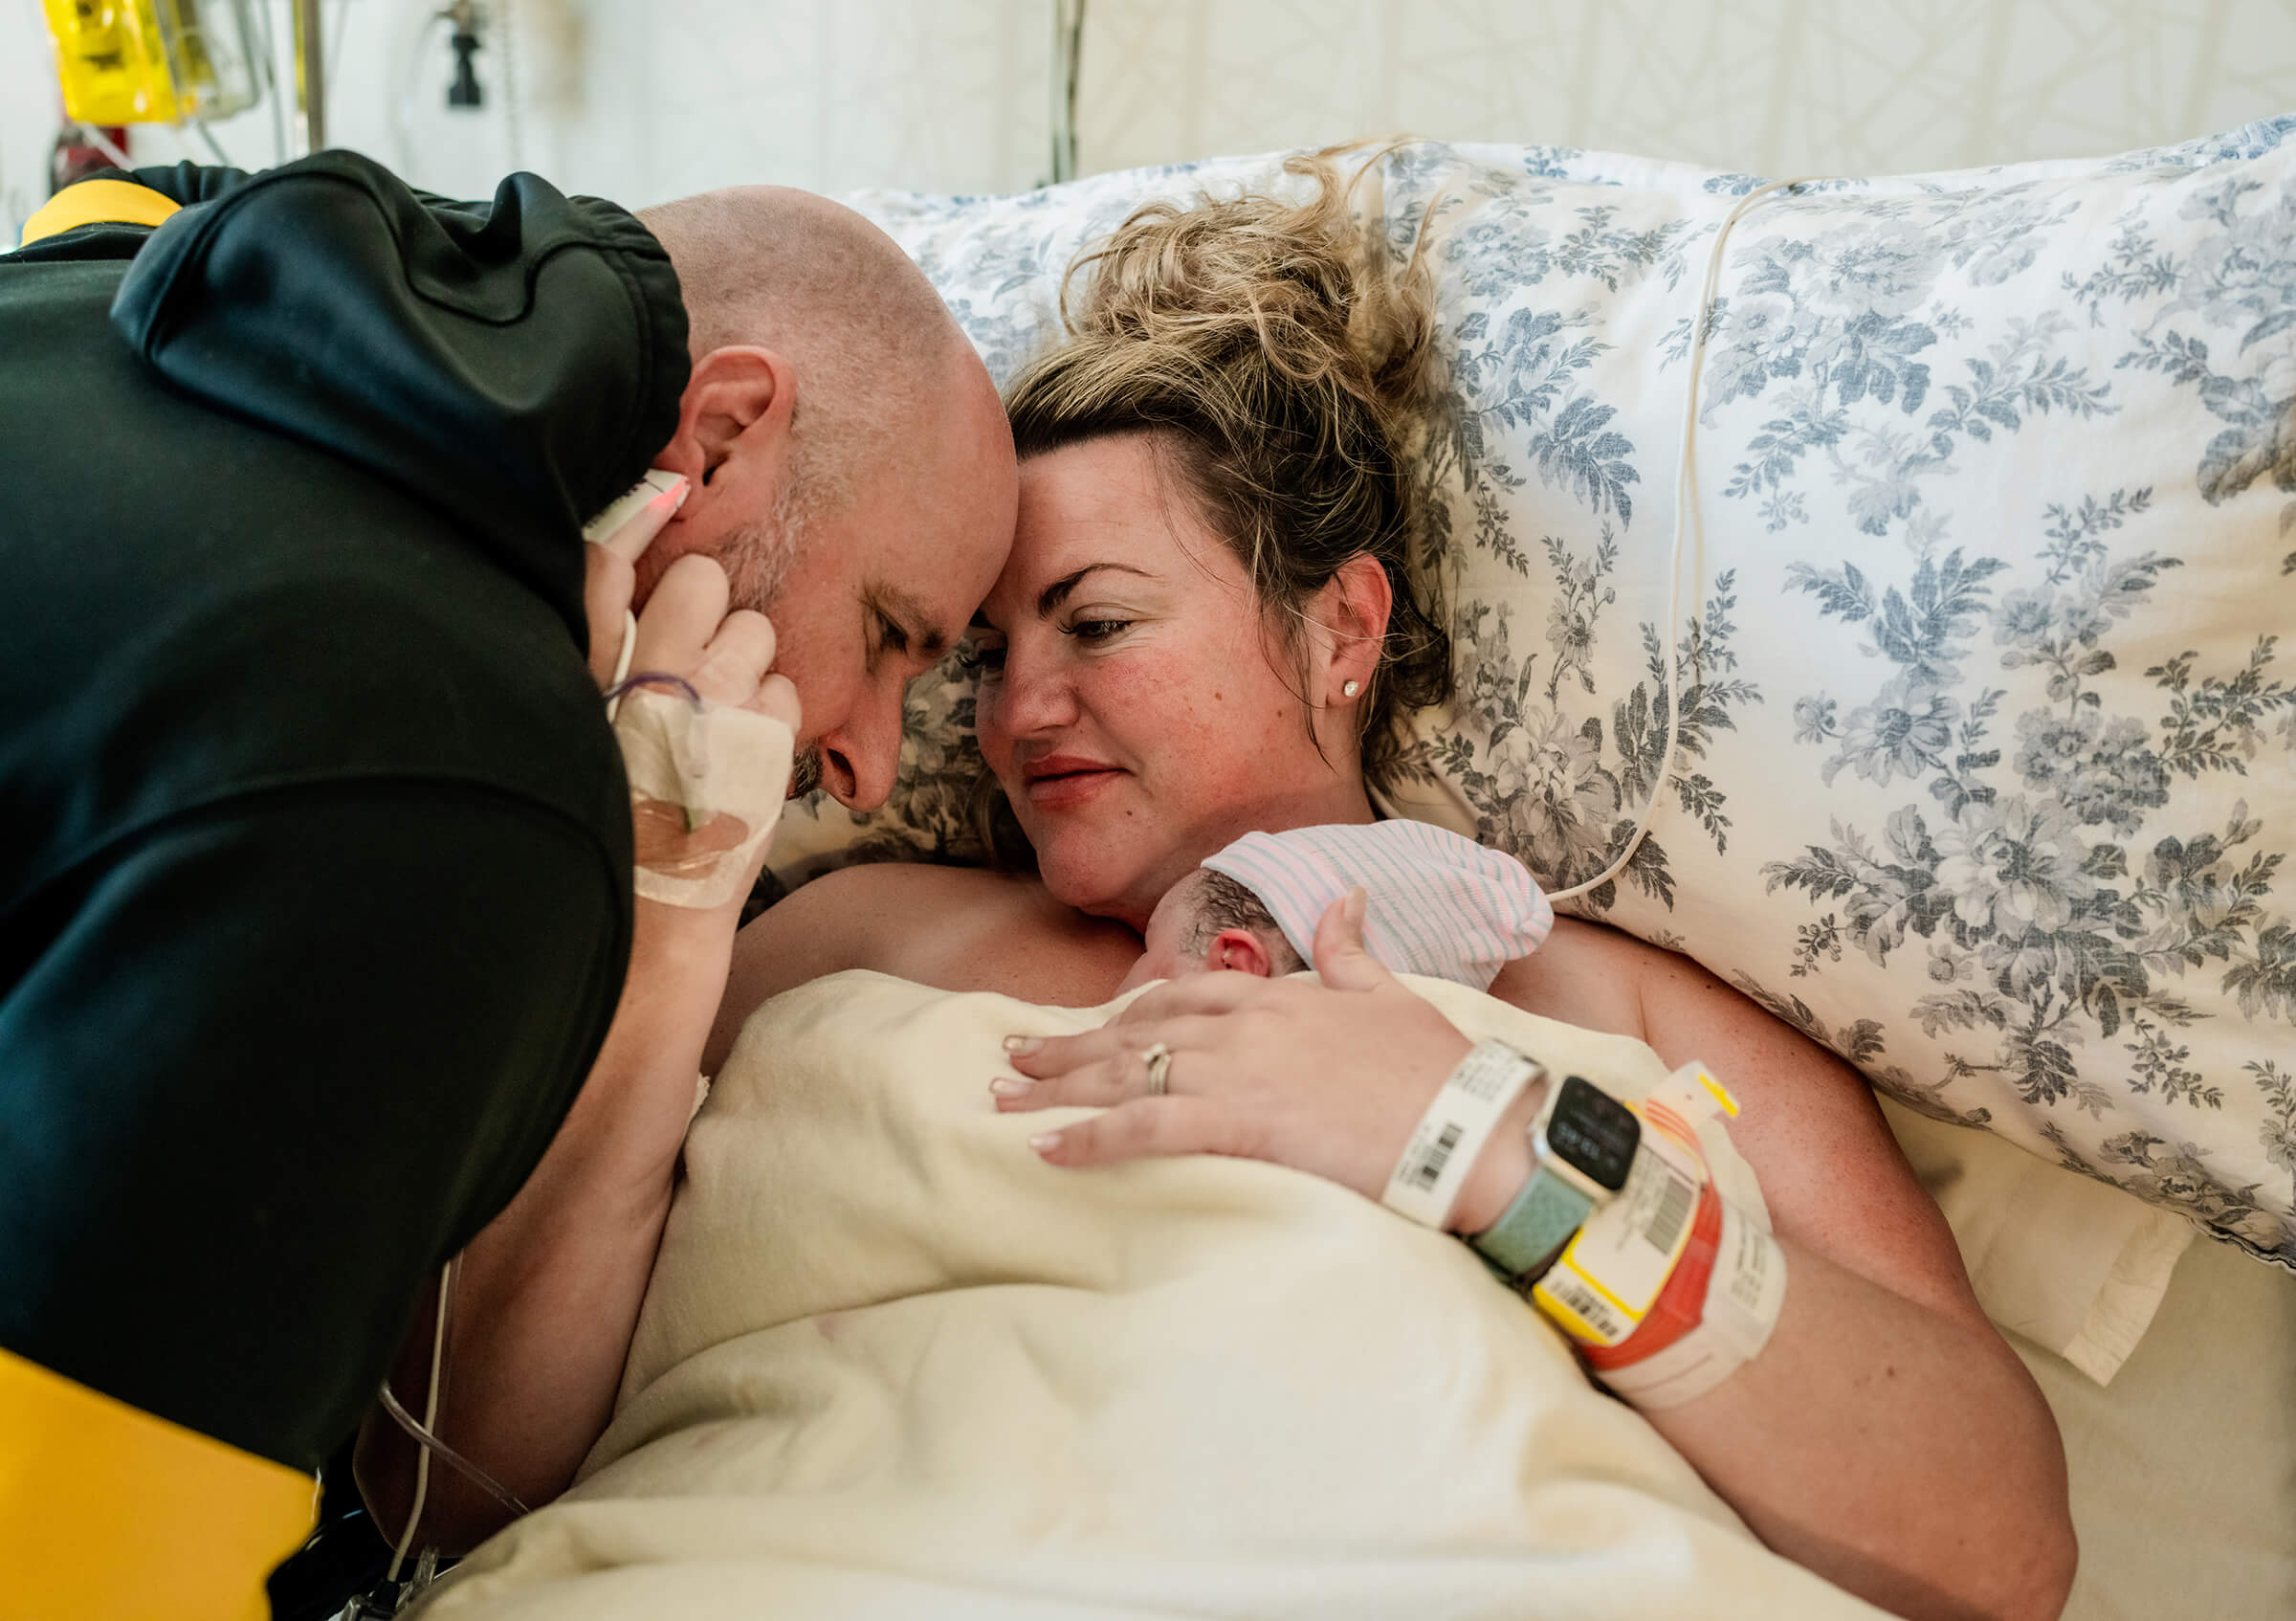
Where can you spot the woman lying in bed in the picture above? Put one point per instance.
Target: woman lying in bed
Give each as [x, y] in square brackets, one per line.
[1206, 628]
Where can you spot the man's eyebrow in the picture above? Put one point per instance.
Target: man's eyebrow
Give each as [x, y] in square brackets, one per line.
[928, 640]
[1057, 593]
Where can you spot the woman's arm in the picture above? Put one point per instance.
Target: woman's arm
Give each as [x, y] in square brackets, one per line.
[1885, 1437]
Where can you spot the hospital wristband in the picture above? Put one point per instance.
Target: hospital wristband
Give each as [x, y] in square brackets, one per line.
[1449, 1137]
[1611, 1274]
[1715, 1316]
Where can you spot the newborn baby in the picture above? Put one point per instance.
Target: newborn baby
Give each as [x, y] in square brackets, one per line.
[1440, 904]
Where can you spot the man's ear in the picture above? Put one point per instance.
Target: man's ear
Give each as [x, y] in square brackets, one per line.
[1239, 949]
[1351, 612]
[738, 400]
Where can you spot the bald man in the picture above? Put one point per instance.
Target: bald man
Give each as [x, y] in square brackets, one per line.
[315, 894]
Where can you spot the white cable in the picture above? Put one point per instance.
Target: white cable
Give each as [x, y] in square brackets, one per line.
[103, 144]
[270, 86]
[402, 117]
[1685, 519]
[207, 135]
[506, 29]
[342, 12]
[422, 1459]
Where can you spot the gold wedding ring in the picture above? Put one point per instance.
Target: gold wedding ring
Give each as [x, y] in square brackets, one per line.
[1158, 1059]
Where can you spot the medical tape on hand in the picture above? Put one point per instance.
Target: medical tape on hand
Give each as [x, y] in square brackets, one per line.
[1720, 1294]
[707, 784]
[1450, 1135]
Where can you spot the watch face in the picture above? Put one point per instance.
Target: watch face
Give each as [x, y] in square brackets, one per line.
[1595, 1132]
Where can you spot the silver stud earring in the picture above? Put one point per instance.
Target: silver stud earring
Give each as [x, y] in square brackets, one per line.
[1349, 689]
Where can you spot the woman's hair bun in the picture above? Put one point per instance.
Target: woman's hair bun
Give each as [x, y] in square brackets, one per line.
[1300, 286]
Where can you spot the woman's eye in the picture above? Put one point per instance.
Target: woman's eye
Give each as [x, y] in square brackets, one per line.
[981, 661]
[1098, 630]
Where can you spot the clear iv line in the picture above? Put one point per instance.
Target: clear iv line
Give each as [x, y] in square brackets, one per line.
[425, 1437]
[1686, 518]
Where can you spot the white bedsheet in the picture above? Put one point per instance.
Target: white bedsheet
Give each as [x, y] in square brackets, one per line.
[893, 1364]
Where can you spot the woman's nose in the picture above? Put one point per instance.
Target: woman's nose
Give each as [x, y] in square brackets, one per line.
[1031, 695]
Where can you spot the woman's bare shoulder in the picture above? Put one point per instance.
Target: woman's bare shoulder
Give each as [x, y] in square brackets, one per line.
[847, 919]
[1586, 975]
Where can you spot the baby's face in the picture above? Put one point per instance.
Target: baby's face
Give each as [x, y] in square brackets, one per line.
[1161, 946]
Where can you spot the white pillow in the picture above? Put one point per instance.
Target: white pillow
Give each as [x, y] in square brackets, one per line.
[1986, 767]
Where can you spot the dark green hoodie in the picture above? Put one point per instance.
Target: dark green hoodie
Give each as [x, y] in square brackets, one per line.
[314, 844]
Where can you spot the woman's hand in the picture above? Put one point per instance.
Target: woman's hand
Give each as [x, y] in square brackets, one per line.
[686, 631]
[1328, 1078]
[608, 584]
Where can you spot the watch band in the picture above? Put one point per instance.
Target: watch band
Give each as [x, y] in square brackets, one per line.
[1539, 1223]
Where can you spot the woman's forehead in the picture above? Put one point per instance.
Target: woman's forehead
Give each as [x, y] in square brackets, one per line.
[1104, 503]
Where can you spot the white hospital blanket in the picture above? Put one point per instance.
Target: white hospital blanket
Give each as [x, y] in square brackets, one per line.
[893, 1364]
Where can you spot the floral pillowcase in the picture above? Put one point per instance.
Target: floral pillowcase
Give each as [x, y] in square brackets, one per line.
[1987, 761]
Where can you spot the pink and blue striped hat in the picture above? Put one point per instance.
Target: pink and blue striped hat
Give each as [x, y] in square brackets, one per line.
[1439, 904]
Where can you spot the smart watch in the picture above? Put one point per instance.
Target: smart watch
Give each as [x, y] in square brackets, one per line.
[1582, 1145]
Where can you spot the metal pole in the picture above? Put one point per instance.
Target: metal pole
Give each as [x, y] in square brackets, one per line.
[1068, 52]
[310, 81]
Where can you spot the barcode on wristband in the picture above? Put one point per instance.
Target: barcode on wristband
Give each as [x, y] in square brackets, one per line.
[1605, 1322]
[1444, 1145]
[1675, 1204]
[1433, 1156]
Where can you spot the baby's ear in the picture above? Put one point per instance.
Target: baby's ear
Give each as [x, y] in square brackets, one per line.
[1238, 950]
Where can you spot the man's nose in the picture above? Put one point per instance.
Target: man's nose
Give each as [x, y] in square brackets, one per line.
[860, 759]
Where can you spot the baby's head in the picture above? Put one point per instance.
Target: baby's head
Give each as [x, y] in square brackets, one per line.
[1206, 921]
[1439, 904]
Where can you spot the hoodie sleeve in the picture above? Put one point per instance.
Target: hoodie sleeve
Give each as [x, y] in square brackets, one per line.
[515, 364]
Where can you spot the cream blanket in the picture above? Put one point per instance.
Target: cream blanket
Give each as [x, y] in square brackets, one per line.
[893, 1364]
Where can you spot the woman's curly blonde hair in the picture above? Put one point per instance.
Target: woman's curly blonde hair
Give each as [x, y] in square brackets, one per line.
[1287, 367]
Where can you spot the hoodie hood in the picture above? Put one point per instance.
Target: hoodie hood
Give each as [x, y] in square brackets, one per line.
[515, 364]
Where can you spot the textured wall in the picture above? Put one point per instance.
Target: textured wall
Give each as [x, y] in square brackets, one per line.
[643, 99]
[1770, 86]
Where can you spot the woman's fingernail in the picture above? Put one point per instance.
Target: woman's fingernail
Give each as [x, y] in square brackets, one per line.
[1023, 1045]
[1045, 1142]
[1005, 1086]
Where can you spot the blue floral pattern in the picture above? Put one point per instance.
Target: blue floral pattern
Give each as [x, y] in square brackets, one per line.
[1986, 752]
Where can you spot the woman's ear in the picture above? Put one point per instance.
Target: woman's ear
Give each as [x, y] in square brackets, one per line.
[738, 404]
[1240, 950]
[1351, 612]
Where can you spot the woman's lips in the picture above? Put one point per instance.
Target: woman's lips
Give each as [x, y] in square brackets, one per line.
[1063, 785]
